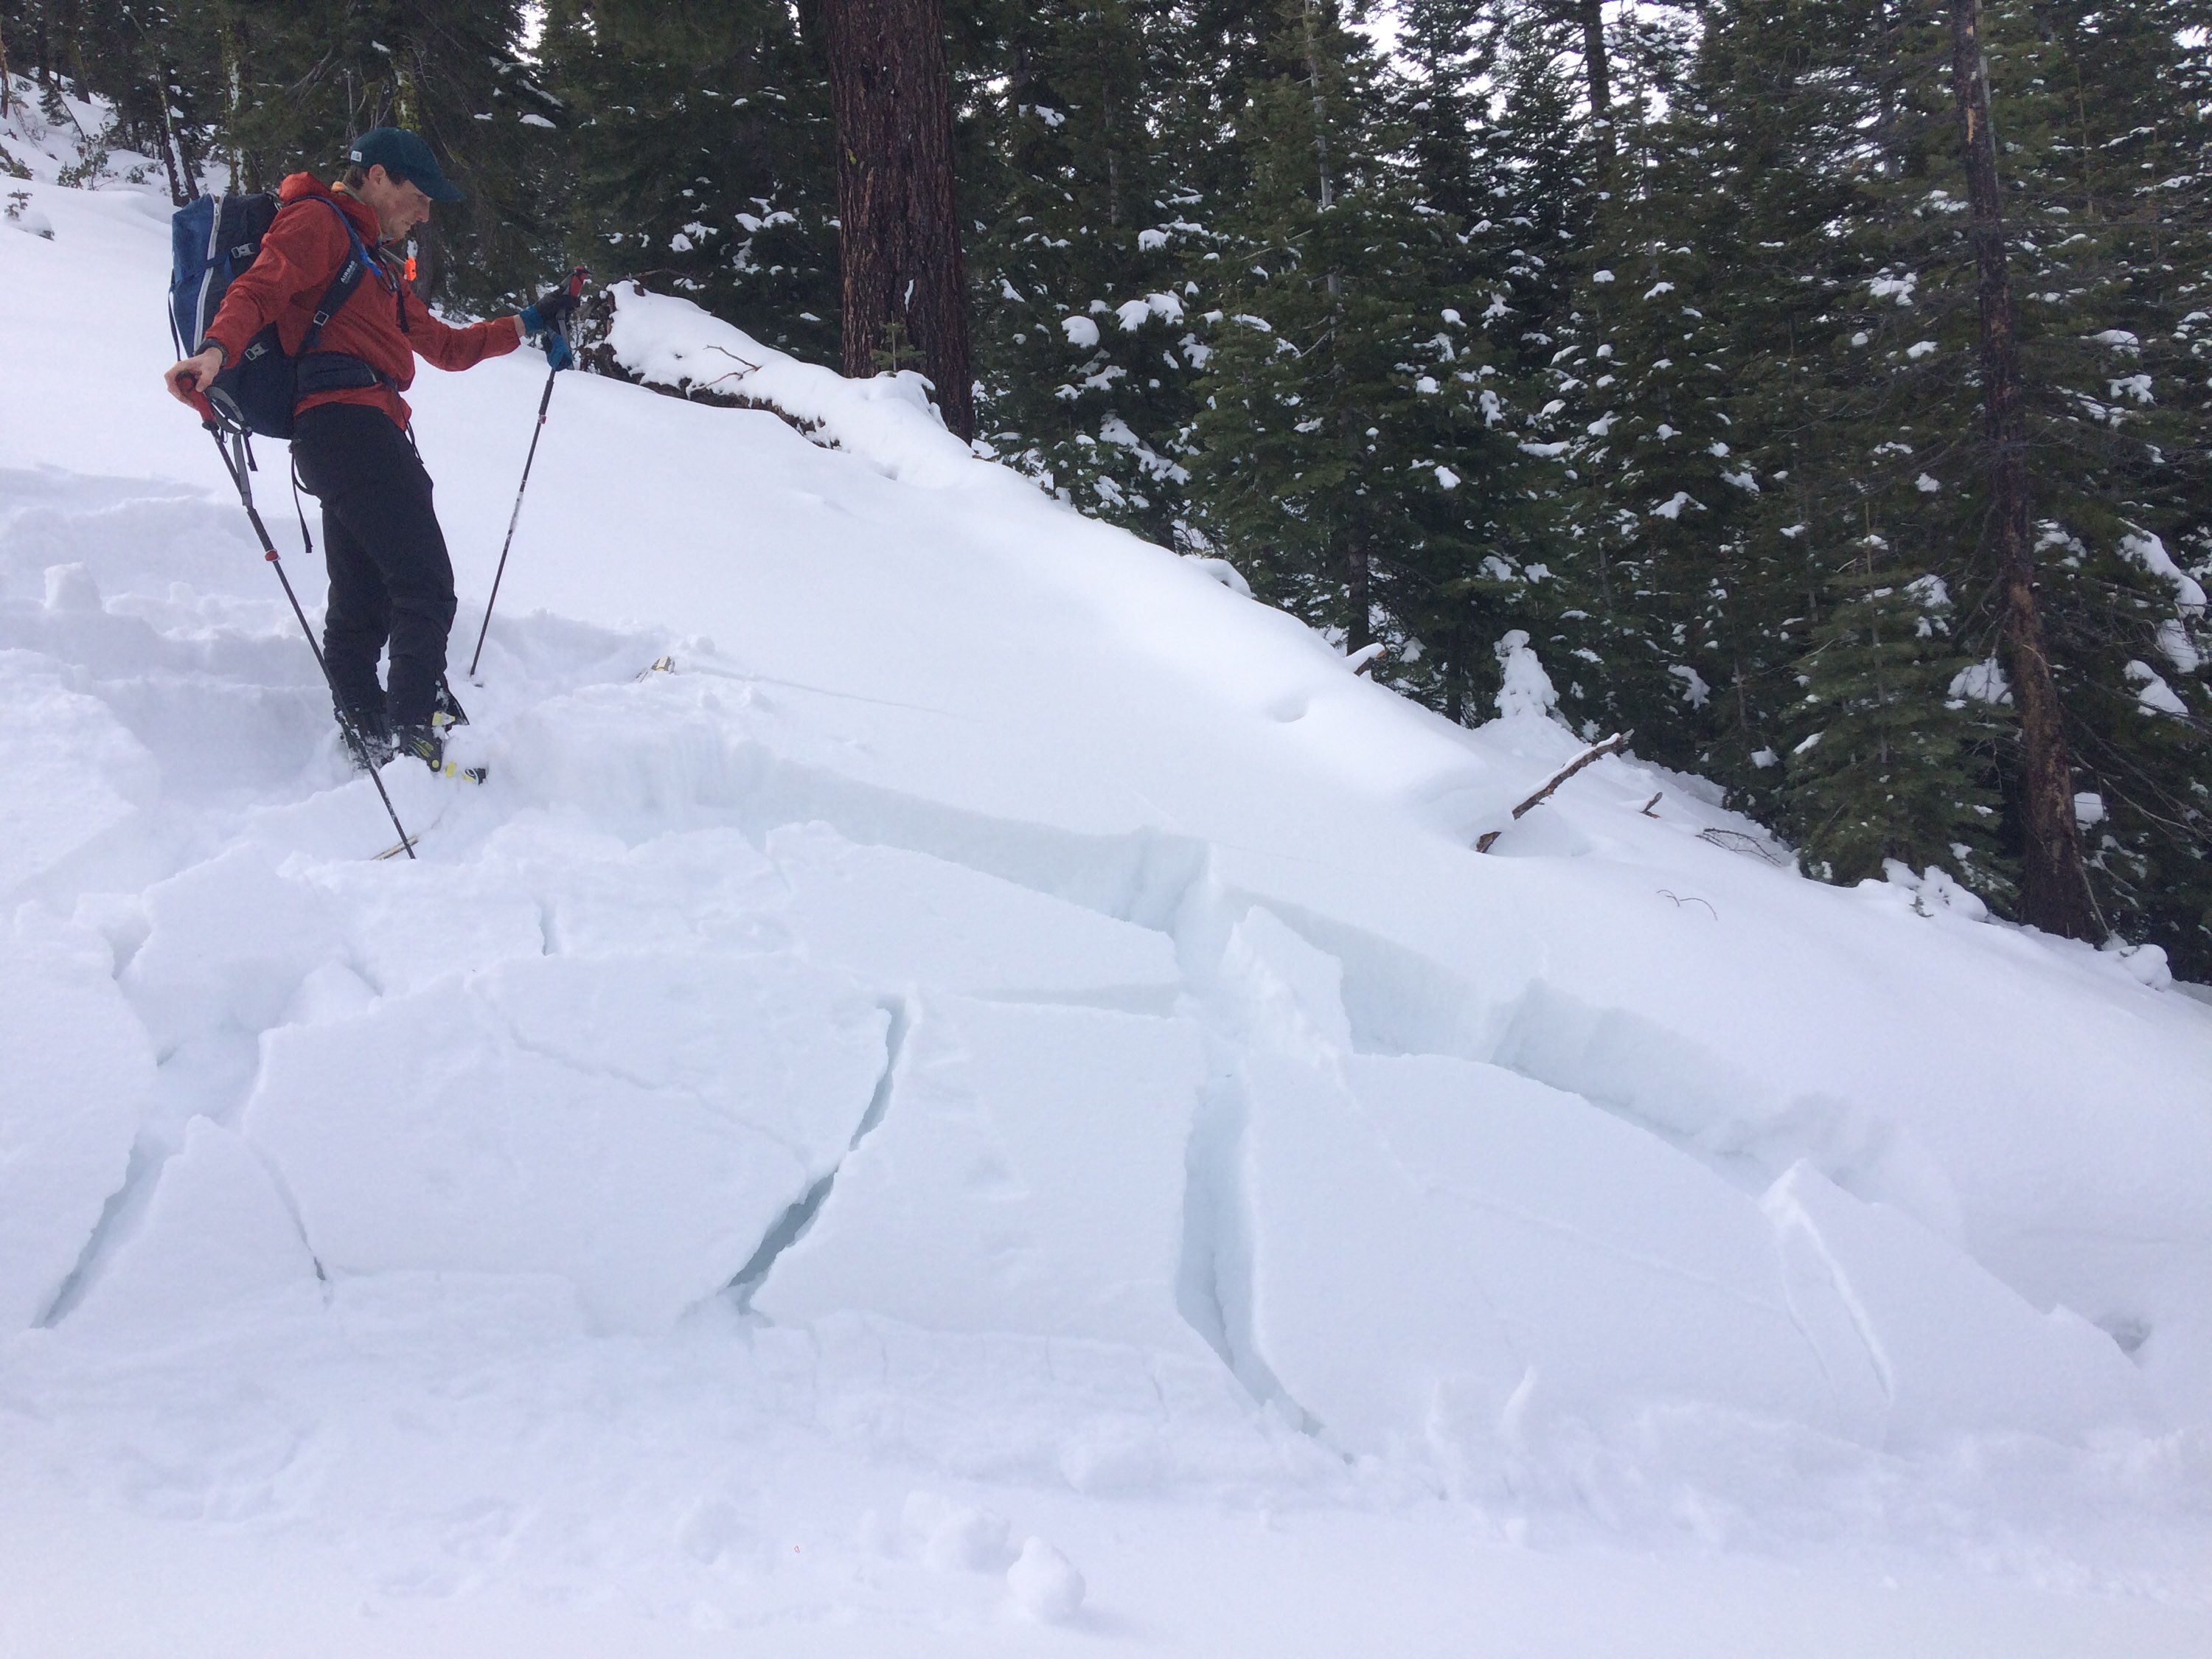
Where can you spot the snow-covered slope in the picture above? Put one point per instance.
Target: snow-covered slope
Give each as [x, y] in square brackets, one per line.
[997, 1025]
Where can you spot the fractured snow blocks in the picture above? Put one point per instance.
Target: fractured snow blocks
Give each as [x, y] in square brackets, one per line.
[955, 1105]
[634, 1124]
[1432, 1242]
[1027, 1178]
[75, 1075]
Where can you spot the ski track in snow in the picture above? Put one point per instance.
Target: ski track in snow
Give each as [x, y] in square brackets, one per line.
[1005, 1050]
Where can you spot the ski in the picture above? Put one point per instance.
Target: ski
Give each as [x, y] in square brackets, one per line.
[451, 771]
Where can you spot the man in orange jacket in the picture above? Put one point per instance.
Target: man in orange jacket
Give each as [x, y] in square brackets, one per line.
[390, 577]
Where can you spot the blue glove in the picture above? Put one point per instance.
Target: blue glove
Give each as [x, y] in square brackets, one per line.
[557, 355]
[550, 310]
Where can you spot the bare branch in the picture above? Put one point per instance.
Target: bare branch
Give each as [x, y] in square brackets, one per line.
[1612, 745]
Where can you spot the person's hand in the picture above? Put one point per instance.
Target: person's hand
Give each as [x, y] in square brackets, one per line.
[557, 355]
[551, 309]
[189, 379]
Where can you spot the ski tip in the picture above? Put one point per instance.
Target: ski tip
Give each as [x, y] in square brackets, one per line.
[659, 666]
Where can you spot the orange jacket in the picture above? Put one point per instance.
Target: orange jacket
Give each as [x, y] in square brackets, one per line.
[382, 322]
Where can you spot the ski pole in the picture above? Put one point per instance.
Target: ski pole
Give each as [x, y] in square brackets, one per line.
[576, 279]
[238, 468]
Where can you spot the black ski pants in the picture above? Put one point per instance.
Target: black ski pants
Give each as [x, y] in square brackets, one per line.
[391, 579]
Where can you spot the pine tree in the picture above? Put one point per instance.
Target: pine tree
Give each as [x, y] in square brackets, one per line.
[125, 54]
[1899, 403]
[288, 85]
[237, 93]
[1884, 773]
[1497, 165]
[148, 60]
[2108, 140]
[1805, 198]
[1325, 417]
[1863, 543]
[1089, 346]
[1665, 567]
[702, 159]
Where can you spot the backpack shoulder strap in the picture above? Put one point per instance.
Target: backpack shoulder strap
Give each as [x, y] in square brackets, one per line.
[357, 262]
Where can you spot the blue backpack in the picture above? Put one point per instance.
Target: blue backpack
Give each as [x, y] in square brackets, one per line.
[212, 239]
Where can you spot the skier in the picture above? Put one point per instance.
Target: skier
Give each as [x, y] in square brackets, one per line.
[353, 448]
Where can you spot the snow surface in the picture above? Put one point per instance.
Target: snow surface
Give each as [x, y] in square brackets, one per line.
[989, 1105]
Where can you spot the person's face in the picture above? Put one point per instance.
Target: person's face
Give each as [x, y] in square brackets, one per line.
[397, 204]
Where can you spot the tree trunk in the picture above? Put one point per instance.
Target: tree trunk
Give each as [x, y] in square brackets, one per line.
[176, 155]
[177, 196]
[1320, 115]
[2055, 893]
[1360, 590]
[1590, 14]
[1358, 570]
[905, 282]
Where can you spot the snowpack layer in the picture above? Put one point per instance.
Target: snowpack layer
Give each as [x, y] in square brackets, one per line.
[994, 1020]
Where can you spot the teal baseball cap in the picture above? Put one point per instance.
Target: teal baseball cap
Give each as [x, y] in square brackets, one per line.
[403, 155]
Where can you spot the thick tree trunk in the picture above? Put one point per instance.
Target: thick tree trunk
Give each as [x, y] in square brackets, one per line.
[2055, 893]
[905, 279]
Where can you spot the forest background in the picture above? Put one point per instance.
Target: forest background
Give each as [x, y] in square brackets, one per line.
[1648, 331]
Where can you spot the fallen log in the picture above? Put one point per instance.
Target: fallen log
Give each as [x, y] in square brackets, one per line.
[1612, 745]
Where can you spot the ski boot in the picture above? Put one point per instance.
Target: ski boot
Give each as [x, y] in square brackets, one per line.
[367, 745]
[427, 744]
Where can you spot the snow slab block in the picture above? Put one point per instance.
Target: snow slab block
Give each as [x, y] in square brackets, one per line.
[635, 1124]
[1428, 1235]
[402, 936]
[75, 1079]
[216, 1246]
[895, 917]
[1027, 1177]
[1927, 1341]
[701, 889]
[229, 943]
[73, 772]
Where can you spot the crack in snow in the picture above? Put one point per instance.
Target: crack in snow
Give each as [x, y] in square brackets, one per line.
[798, 1217]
